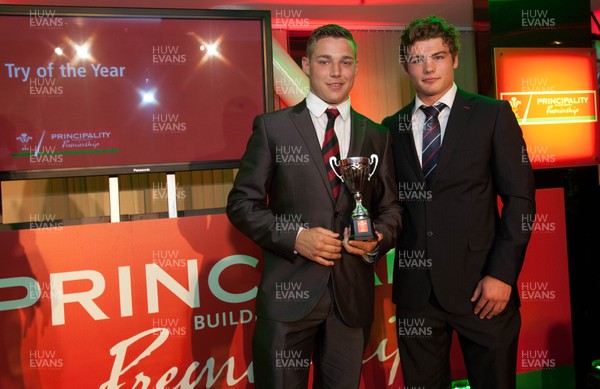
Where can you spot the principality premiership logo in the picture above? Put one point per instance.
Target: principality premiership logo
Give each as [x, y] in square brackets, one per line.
[514, 105]
[24, 138]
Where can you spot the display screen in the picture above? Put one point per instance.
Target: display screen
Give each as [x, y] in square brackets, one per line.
[553, 94]
[87, 91]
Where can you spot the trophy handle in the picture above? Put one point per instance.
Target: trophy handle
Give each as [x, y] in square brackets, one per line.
[333, 162]
[373, 159]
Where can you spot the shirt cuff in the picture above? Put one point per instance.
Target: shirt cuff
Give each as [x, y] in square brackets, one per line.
[372, 256]
[298, 233]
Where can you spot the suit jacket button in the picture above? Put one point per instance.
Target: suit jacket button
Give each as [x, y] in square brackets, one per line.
[336, 214]
[429, 234]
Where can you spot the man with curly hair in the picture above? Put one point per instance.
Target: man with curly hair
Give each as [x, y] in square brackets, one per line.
[458, 258]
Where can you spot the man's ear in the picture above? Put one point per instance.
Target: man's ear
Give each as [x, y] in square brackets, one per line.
[306, 66]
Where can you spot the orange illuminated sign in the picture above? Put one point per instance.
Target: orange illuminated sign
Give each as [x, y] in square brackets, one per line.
[553, 94]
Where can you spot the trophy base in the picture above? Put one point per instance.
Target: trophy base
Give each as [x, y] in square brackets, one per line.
[362, 229]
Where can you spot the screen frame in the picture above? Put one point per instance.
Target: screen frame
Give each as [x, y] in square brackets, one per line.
[264, 17]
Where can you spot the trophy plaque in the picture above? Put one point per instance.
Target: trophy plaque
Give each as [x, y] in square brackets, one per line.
[356, 172]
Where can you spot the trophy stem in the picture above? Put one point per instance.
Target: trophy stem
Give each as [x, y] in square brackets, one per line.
[359, 212]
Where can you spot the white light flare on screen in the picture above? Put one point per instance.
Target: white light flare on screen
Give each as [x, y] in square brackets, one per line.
[148, 94]
[148, 97]
[79, 51]
[58, 51]
[83, 52]
[209, 50]
[212, 49]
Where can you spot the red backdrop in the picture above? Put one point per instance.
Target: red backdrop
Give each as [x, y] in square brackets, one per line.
[171, 302]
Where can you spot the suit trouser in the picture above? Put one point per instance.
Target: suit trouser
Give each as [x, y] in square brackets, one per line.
[489, 347]
[282, 351]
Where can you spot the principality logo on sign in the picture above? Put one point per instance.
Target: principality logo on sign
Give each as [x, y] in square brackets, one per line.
[549, 107]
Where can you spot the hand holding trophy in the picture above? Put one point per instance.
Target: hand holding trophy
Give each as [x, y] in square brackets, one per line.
[355, 173]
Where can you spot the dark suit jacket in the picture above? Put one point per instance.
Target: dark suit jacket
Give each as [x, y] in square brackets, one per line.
[453, 233]
[282, 185]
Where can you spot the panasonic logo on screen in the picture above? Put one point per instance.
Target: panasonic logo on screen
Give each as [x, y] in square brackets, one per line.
[141, 170]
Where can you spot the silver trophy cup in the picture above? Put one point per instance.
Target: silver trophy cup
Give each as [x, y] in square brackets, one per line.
[356, 172]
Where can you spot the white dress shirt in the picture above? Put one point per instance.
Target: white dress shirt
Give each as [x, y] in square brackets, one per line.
[343, 125]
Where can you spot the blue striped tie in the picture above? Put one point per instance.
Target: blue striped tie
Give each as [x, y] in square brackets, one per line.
[432, 140]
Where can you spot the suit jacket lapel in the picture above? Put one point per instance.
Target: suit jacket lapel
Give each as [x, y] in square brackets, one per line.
[408, 143]
[457, 122]
[300, 116]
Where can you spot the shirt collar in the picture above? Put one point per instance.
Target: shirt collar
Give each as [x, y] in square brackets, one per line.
[447, 98]
[317, 106]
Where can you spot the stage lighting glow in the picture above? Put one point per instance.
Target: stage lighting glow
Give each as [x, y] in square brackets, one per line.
[596, 365]
[58, 51]
[461, 384]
